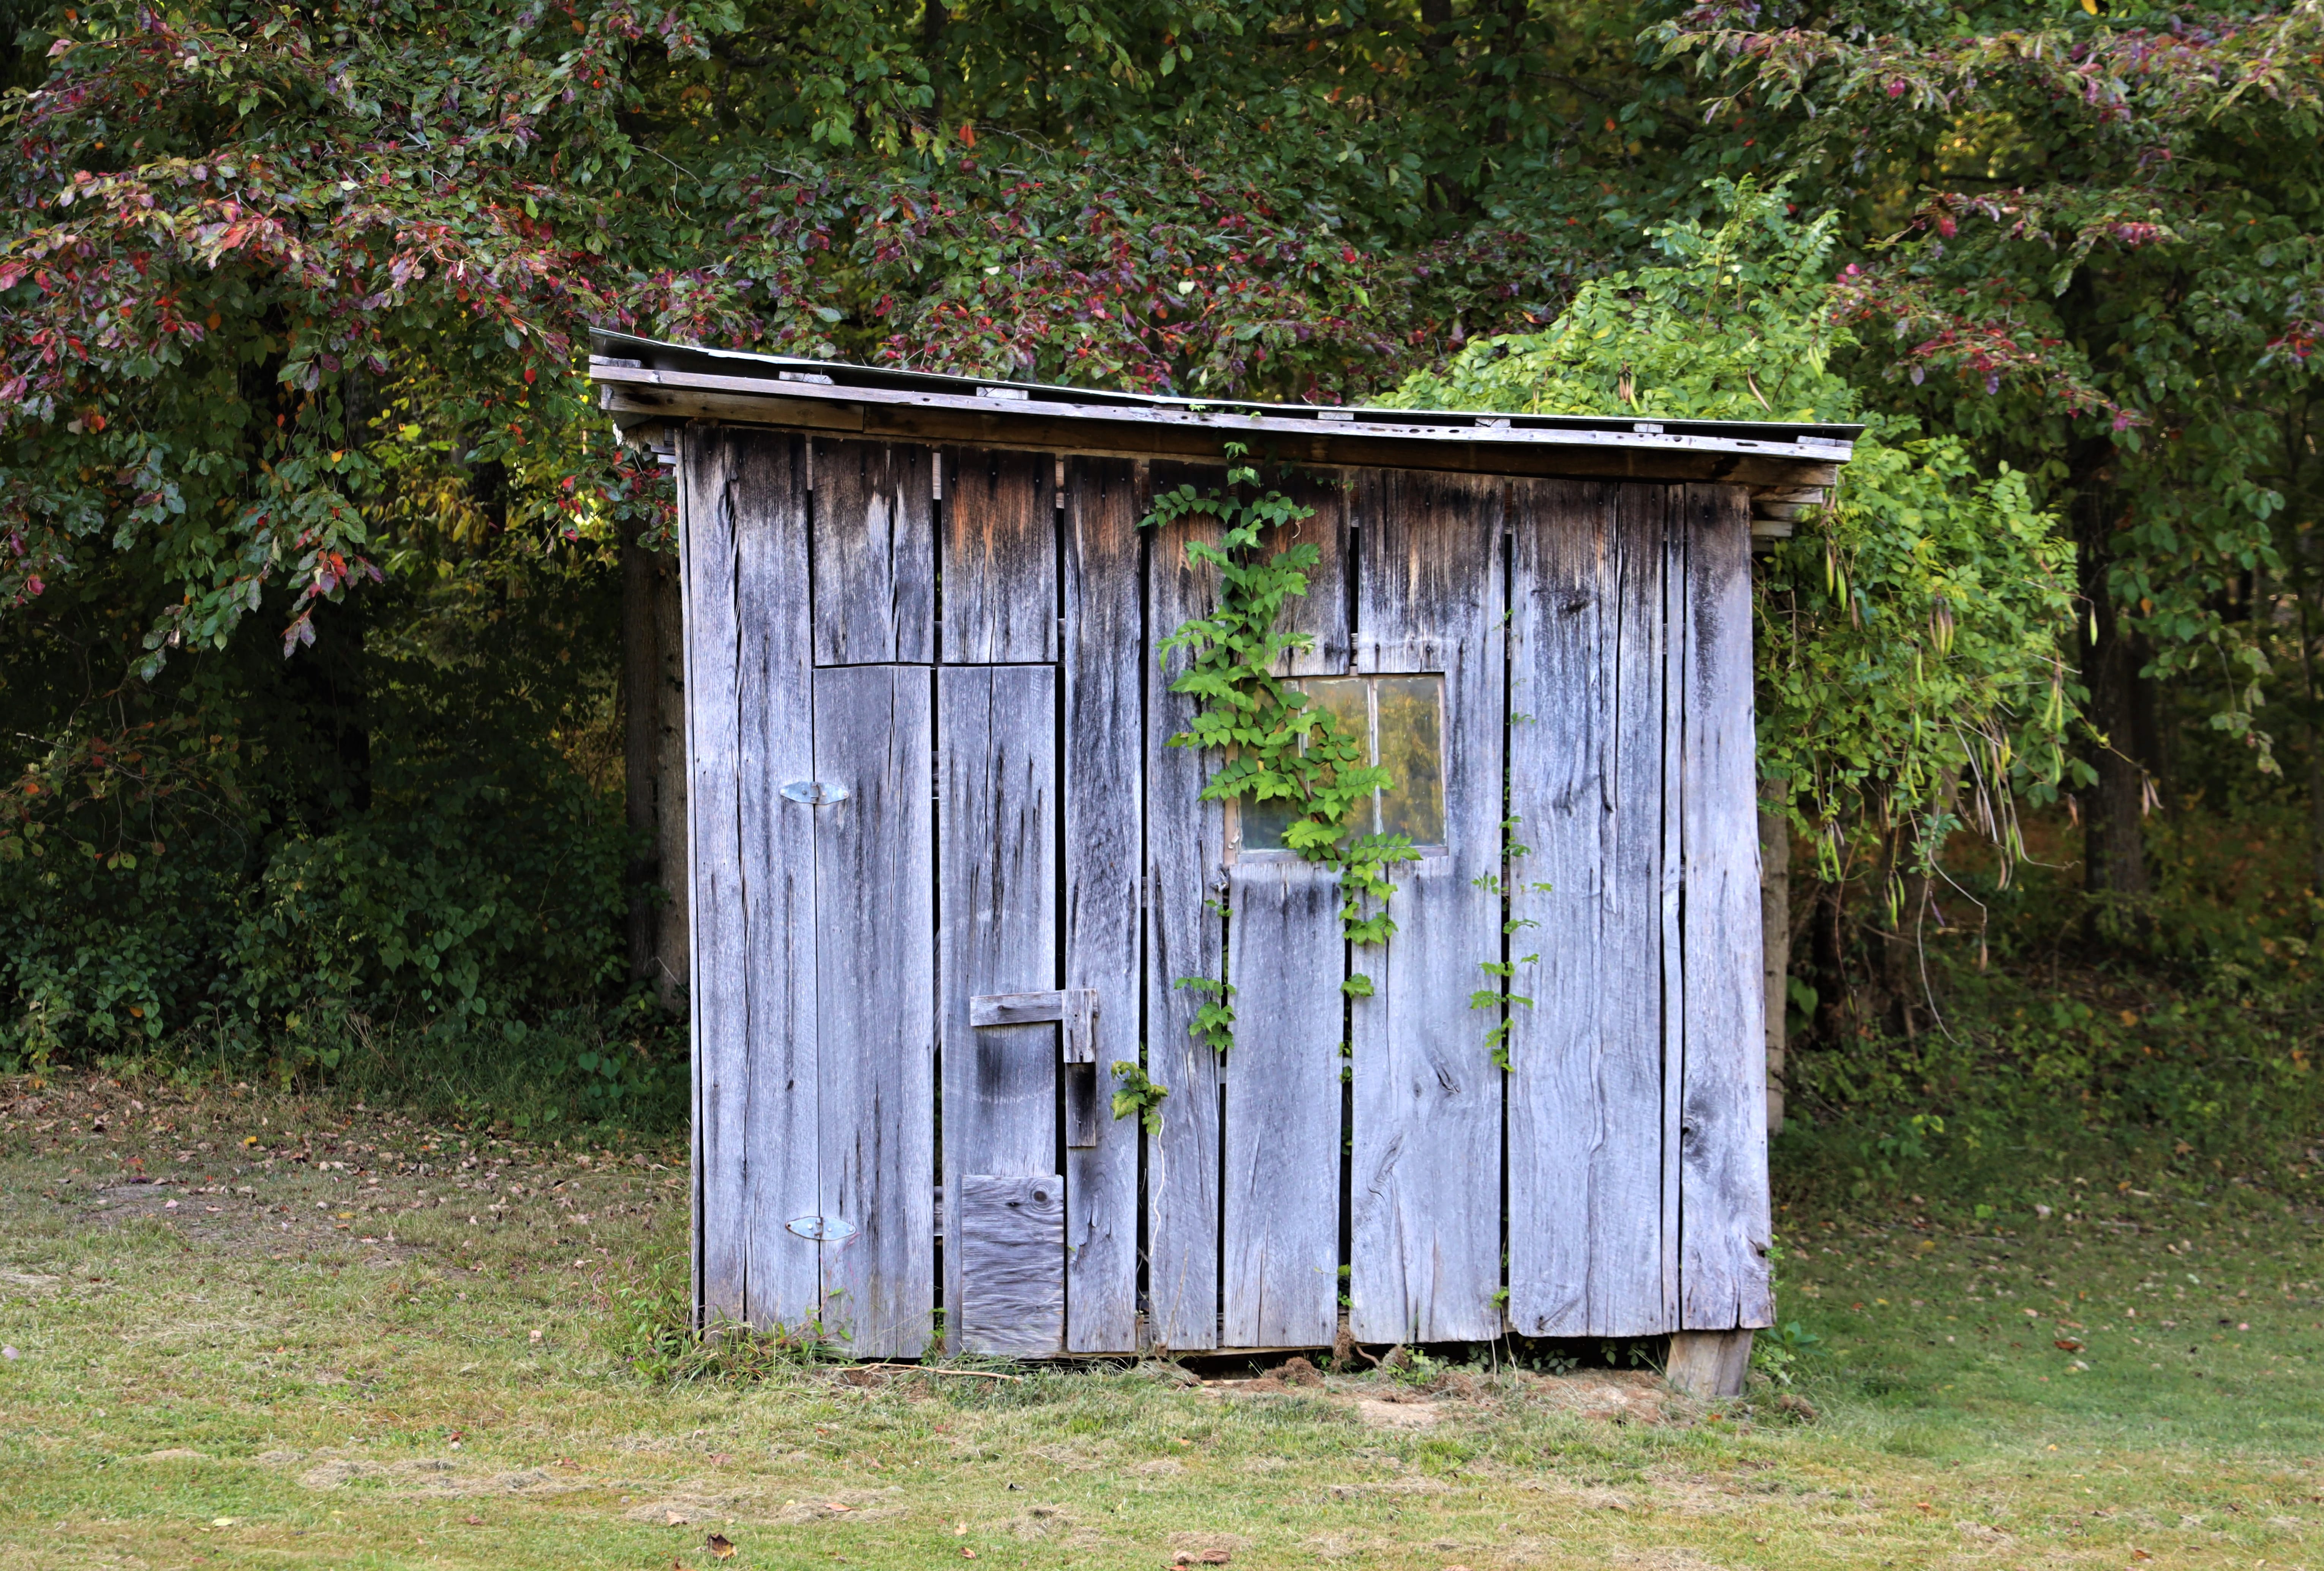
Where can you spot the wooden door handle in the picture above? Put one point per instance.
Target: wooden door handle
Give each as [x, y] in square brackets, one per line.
[1075, 1008]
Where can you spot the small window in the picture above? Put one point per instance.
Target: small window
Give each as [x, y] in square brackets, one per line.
[1403, 720]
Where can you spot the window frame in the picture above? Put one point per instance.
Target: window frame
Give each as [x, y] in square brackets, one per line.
[1235, 851]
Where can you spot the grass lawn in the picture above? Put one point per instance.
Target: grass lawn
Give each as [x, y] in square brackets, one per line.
[323, 1336]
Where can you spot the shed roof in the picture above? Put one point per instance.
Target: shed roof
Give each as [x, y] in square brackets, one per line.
[642, 380]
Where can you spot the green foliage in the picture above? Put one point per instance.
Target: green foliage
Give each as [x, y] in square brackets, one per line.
[1912, 637]
[1135, 1094]
[1497, 1040]
[652, 1330]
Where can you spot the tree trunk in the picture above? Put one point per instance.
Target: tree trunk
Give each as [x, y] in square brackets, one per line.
[640, 724]
[1776, 947]
[653, 768]
[1835, 1020]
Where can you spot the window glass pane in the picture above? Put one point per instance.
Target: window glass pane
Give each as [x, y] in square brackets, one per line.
[1411, 748]
[1262, 823]
[1343, 699]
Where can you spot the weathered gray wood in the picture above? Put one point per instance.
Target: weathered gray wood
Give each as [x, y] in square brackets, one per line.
[1062, 1005]
[1322, 613]
[715, 885]
[1185, 851]
[875, 1004]
[1585, 1132]
[1105, 658]
[1427, 1170]
[775, 857]
[1079, 1045]
[875, 553]
[1706, 1363]
[1012, 1248]
[1281, 1219]
[999, 557]
[1661, 508]
[1724, 1202]
[996, 739]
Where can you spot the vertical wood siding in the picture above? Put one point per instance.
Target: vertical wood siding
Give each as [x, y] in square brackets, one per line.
[1427, 1185]
[996, 758]
[1014, 821]
[999, 557]
[1186, 850]
[875, 553]
[875, 1005]
[720, 992]
[1724, 1221]
[1281, 1218]
[1586, 1094]
[1105, 662]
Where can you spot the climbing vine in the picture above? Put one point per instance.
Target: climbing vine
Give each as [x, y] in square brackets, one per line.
[1276, 744]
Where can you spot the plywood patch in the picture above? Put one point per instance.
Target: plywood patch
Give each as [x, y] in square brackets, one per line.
[1012, 1248]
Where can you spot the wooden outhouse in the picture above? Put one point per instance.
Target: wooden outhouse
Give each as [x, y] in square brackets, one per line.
[945, 871]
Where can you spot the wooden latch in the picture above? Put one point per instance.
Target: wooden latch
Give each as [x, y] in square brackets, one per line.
[1076, 1007]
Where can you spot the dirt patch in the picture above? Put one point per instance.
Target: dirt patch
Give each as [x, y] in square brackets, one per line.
[1396, 1412]
[1619, 1395]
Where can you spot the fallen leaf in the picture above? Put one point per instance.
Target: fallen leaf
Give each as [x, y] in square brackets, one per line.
[2067, 1344]
[967, 1554]
[836, 1506]
[536, 1336]
[475, 1521]
[719, 1545]
[677, 1520]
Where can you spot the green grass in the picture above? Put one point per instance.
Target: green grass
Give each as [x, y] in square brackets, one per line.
[333, 1368]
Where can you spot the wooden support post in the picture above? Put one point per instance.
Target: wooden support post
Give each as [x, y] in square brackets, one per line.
[1708, 1363]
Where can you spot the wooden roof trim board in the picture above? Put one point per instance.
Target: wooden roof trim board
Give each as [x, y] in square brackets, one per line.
[642, 381]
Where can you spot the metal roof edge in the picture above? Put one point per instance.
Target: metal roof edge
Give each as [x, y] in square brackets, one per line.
[744, 374]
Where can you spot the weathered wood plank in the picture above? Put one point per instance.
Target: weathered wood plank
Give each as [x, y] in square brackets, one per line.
[1185, 851]
[1105, 659]
[1281, 1219]
[996, 742]
[1664, 506]
[1585, 1132]
[999, 557]
[776, 861]
[1070, 1007]
[1724, 1202]
[1322, 613]
[875, 1004]
[1427, 1170]
[875, 553]
[1012, 1247]
[720, 995]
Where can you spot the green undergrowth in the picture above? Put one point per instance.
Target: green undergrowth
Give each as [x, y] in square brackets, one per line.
[2172, 1044]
